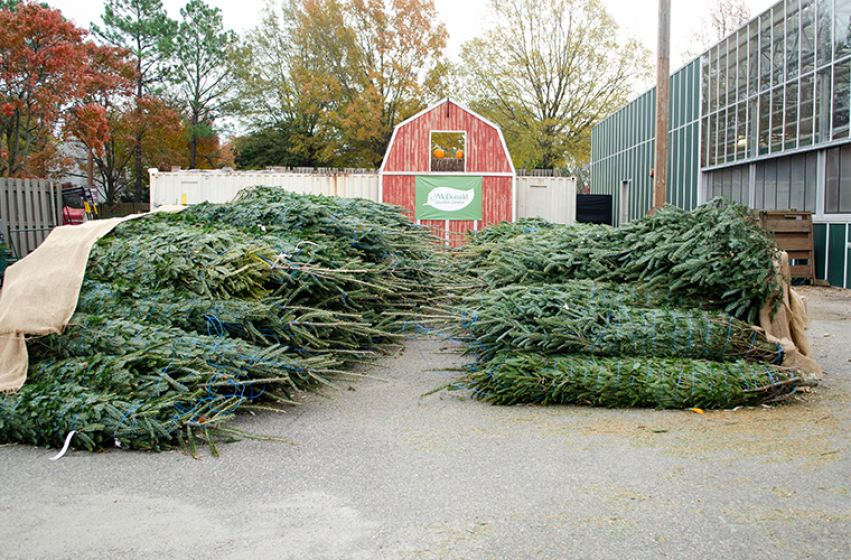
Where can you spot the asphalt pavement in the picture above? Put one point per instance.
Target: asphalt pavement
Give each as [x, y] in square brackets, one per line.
[377, 470]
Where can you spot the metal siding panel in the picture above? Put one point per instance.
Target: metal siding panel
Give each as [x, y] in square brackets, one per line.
[837, 252]
[820, 246]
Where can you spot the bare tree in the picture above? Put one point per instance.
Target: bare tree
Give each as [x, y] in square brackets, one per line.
[722, 18]
[547, 72]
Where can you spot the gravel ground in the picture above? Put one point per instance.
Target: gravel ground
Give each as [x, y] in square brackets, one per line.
[379, 471]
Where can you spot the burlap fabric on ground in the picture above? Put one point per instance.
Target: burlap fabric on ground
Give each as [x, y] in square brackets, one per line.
[40, 292]
[789, 324]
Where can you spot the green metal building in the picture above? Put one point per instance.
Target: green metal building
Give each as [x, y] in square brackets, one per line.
[762, 117]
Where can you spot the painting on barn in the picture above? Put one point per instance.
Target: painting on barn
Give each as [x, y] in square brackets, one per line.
[450, 168]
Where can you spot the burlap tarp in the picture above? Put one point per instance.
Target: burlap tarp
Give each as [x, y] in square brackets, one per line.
[40, 292]
[788, 326]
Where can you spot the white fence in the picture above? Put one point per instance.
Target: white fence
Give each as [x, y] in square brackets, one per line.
[192, 187]
[551, 198]
[29, 210]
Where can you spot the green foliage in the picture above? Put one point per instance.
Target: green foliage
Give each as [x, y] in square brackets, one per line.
[144, 28]
[185, 319]
[202, 55]
[655, 313]
[586, 317]
[523, 377]
[340, 74]
[716, 253]
[279, 145]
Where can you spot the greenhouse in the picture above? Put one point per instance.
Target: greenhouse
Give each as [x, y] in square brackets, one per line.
[762, 117]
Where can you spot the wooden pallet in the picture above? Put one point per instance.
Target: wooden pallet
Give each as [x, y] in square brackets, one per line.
[794, 234]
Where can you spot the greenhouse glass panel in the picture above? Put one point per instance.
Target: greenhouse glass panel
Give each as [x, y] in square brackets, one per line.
[778, 45]
[808, 36]
[823, 104]
[713, 147]
[742, 131]
[765, 51]
[841, 30]
[764, 121]
[722, 75]
[753, 126]
[732, 133]
[704, 148]
[732, 72]
[792, 46]
[742, 65]
[704, 85]
[753, 58]
[791, 132]
[777, 98]
[824, 32]
[841, 94]
[805, 128]
[713, 80]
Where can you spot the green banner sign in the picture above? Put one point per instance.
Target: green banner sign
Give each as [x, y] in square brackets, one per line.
[448, 198]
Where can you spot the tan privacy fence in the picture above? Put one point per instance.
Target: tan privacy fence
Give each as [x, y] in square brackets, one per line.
[29, 210]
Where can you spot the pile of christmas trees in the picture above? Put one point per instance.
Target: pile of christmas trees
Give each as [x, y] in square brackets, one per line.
[183, 319]
[656, 313]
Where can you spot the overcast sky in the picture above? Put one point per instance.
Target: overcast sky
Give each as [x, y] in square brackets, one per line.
[462, 17]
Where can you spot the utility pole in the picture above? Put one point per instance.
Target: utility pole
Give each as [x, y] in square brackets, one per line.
[90, 172]
[663, 76]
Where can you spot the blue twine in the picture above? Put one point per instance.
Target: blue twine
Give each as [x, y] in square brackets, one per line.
[674, 341]
[653, 346]
[710, 378]
[82, 334]
[729, 332]
[753, 340]
[779, 359]
[747, 383]
[605, 328]
[132, 424]
[708, 328]
[631, 381]
[689, 334]
[770, 377]
[692, 379]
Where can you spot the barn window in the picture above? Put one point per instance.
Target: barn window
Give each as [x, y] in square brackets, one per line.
[448, 151]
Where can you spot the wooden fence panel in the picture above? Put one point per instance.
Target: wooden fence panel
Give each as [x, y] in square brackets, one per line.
[29, 209]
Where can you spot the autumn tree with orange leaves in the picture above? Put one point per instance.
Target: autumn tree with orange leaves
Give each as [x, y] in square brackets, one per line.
[48, 71]
[353, 69]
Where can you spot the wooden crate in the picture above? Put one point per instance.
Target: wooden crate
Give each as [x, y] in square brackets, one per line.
[794, 234]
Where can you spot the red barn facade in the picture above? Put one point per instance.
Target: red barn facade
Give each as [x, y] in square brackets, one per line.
[438, 156]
